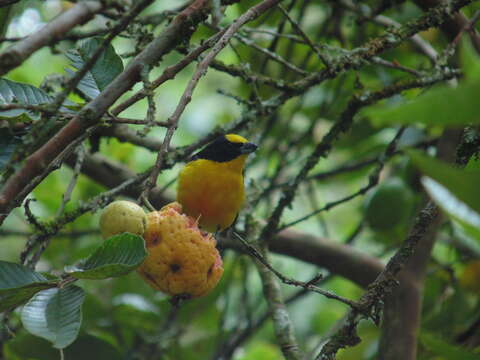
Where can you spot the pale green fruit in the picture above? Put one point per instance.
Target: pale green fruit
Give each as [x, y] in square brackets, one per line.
[122, 216]
[389, 205]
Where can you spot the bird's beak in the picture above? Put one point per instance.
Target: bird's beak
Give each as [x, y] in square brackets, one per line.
[248, 148]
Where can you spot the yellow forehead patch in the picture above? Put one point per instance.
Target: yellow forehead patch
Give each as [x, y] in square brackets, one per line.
[234, 138]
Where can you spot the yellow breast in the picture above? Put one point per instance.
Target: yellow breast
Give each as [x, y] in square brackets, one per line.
[212, 191]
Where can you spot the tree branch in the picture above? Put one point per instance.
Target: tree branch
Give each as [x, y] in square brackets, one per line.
[55, 30]
[337, 258]
[282, 324]
[454, 24]
[202, 68]
[403, 307]
[179, 30]
[373, 298]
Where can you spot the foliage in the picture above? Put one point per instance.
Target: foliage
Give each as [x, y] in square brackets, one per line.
[14, 92]
[107, 67]
[53, 310]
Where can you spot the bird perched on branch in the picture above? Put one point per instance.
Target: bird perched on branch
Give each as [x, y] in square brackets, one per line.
[210, 186]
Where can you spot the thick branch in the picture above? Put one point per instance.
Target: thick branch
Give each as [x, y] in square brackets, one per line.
[453, 25]
[434, 17]
[169, 73]
[416, 39]
[341, 126]
[402, 311]
[384, 283]
[202, 68]
[337, 258]
[400, 326]
[179, 30]
[50, 33]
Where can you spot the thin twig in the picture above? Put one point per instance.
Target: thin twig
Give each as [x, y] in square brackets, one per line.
[282, 324]
[395, 65]
[201, 70]
[423, 45]
[76, 172]
[170, 72]
[32, 219]
[299, 30]
[148, 88]
[309, 285]
[469, 27]
[55, 164]
[36, 163]
[123, 120]
[51, 228]
[270, 54]
[115, 30]
[342, 125]
[372, 182]
[371, 300]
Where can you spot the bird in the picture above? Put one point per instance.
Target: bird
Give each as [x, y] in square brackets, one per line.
[211, 185]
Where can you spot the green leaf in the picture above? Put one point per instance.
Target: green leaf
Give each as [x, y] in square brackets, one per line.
[454, 190]
[441, 105]
[447, 351]
[467, 239]
[107, 67]
[117, 256]
[135, 312]
[55, 315]
[462, 183]
[27, 346]
[88, 346]
[15, 92]
[18, 284]
[468, 219]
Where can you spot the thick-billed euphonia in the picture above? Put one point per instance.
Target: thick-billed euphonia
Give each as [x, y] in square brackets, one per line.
[210, 186]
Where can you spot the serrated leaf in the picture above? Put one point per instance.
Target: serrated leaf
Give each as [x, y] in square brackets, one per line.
[107, 67]
[117, 256]
[55, 315]
[441, 105]
[447, 351]
[15, 92]
[18, 284]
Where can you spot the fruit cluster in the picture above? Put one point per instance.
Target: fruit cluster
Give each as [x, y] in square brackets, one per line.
[182, 259]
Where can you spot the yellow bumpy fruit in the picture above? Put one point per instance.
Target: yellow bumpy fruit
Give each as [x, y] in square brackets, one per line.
[182, 259]
[122, 216]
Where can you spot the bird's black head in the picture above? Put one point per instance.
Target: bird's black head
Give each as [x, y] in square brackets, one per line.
[226, 148]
